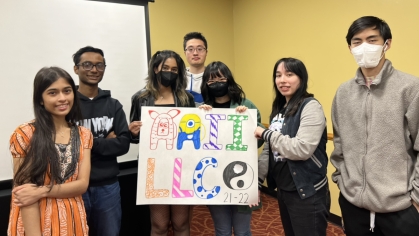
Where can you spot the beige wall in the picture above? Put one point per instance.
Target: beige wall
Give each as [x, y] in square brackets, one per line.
[251, 35]
[170, 20]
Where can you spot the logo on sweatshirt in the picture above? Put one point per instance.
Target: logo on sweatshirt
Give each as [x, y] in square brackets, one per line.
[99, 126]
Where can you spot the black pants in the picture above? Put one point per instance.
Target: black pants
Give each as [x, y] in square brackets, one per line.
[357, 221]
[304, 217]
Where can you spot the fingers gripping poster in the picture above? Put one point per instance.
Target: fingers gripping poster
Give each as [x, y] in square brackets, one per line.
[197, 157]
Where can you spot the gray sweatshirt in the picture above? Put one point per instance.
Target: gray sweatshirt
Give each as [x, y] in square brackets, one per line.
[376, 140]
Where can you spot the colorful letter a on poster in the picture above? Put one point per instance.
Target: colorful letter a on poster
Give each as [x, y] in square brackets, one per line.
[189, 130]
[163, 128]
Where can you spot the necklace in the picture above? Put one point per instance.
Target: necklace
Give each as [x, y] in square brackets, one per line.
[61, 133]
[166, 95]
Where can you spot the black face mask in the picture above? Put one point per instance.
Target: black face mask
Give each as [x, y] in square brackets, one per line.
[218, 89]
[167, 78]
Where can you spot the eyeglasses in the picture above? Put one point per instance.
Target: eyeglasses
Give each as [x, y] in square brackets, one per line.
[219, 79]
[198, 49]
[87, 65]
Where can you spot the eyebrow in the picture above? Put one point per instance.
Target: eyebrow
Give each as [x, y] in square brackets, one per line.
[197, 46]
[92, 62]
[373, 36]
[53, 89]
[175, 67]
[369, 37]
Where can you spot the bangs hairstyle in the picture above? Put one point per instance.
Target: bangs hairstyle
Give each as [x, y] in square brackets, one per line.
[297, 67]
[33, 169]
[152, 81]
[218, 69]
[366, 22]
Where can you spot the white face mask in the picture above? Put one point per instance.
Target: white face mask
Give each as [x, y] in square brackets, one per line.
[368, 55]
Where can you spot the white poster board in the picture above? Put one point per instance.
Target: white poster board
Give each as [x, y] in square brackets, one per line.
[38, 33]
[192, 156]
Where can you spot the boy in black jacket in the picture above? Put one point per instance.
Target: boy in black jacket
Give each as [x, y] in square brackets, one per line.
[104, 116]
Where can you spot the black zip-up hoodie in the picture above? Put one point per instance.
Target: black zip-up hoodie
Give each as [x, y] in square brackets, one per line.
[102, 115]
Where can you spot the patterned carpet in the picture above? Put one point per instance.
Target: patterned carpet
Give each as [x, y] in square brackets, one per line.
[268, 225]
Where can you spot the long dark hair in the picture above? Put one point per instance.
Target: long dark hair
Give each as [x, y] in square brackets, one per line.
[42, 157]
[219, 69]
[178, 88]
[297, 67]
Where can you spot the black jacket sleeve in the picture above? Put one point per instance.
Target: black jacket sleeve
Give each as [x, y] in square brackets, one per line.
[135, 115]
[114, 146]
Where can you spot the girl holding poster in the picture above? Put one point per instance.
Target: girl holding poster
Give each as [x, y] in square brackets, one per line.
[220, 90]
[51, 158]
[294, 158]
[165, 87]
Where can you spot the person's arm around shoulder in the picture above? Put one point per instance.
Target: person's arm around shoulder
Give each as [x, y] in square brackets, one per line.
[118, 144]
[27, 194]
[303, 145]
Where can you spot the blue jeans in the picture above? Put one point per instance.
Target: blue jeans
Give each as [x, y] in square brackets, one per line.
[302, 217]
[103, 209]
[226, 217]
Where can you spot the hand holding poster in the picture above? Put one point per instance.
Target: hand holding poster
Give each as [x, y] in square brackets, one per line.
[193, 156]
